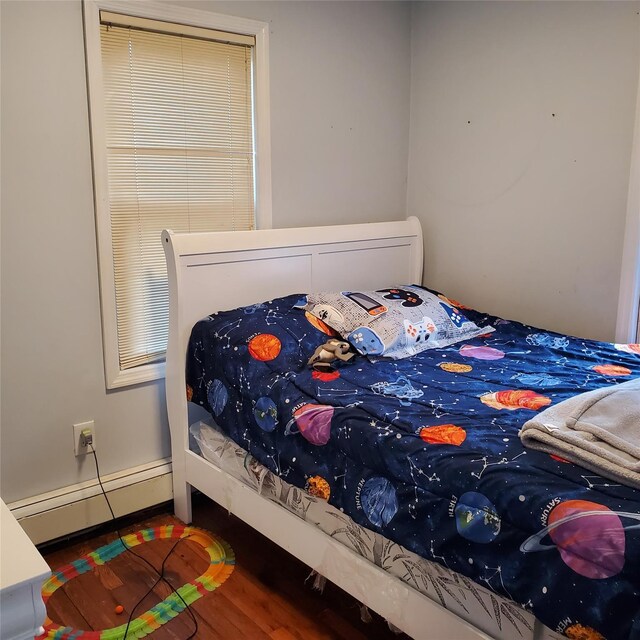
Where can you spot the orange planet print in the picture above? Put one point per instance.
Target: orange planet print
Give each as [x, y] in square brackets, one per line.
[579, 632]
[317, 486]
[455, 367]
[319, 324]
[515, 399]
[189, 393]
[264, 347]
[628, 348]
[612, 370]
[325, 376]
[443, 434]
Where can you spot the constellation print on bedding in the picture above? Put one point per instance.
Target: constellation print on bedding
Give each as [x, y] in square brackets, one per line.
[384, 430]
[202, 378]
[438, 408]
[224, 332]
[598, 481]
[244, 385]
[497, 572]
[435, 556]
[487, 464]
[272, 316]
[275, 465]
[414, 468]
[395, 414]
[332, 392]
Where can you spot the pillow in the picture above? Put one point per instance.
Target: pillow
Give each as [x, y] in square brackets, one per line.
[395, 323]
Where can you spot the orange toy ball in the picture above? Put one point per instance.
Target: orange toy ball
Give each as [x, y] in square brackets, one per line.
[119, 609]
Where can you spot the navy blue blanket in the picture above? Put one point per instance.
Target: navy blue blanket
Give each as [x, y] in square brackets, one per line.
[425, 450]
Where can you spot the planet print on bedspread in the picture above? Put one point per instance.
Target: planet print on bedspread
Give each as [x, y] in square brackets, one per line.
[537, 379]
[476, 518]
[481, 353]
[455, 367]
[378, 500]
[313, 422]
[264, 347]
[218, 396]
[612, 370]
[628, 348]
[515, 399]
[589, 536]
[443, 434]
[266, 414]
[325, 376]
[317, 486]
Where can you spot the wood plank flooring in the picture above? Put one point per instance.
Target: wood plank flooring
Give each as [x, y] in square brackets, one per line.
[268, 596]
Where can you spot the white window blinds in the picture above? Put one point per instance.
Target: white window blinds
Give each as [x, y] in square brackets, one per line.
[180, 155]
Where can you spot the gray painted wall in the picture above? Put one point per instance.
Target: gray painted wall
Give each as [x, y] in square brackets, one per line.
[523, 211]
[339, 104]
[522, 120]
[340, 75]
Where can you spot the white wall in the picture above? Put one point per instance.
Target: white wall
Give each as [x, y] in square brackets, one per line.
[523, 210]
[339, 104]
[339, 107]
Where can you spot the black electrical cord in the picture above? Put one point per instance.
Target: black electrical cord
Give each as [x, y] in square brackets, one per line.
[160, 574]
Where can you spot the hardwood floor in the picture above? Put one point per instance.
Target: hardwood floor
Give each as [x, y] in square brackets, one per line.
[266, 597]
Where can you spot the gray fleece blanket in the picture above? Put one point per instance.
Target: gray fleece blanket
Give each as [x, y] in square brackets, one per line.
[598, 430]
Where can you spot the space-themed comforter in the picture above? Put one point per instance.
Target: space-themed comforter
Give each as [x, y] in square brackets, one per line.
[425, 451]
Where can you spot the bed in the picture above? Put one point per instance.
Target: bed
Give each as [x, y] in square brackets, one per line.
[467, 585]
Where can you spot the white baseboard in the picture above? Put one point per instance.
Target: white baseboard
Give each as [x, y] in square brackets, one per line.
[65, 511]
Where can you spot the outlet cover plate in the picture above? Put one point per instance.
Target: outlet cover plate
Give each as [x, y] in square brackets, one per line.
[78, 448]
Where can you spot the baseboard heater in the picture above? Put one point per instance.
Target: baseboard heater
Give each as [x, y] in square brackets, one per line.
[65, 511]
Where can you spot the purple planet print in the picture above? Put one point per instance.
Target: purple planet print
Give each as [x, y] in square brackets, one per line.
[589, 537]
[313, 422]
[480, 353]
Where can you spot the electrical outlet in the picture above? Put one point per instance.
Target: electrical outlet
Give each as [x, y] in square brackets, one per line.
[79, 446]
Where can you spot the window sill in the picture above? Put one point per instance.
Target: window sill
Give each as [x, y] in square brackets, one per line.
[129, 377]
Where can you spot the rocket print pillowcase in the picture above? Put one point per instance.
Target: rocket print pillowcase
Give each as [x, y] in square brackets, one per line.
[394, 323]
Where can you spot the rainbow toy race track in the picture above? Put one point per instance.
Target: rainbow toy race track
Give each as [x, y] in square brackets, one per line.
[221, 565]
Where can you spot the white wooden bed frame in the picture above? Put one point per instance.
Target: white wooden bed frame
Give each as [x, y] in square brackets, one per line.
[217, 271]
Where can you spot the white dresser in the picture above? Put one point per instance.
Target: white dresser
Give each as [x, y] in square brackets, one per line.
[22, 572]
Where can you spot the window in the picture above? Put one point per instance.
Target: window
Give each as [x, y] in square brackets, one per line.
[179, 125]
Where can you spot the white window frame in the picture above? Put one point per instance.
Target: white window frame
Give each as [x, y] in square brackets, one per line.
[114, 376]
[628, 321]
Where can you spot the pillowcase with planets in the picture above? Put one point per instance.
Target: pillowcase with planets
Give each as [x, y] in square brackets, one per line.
[394, 323]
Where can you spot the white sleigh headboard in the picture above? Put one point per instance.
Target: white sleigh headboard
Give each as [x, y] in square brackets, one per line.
[223, 270]
[217, 271]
